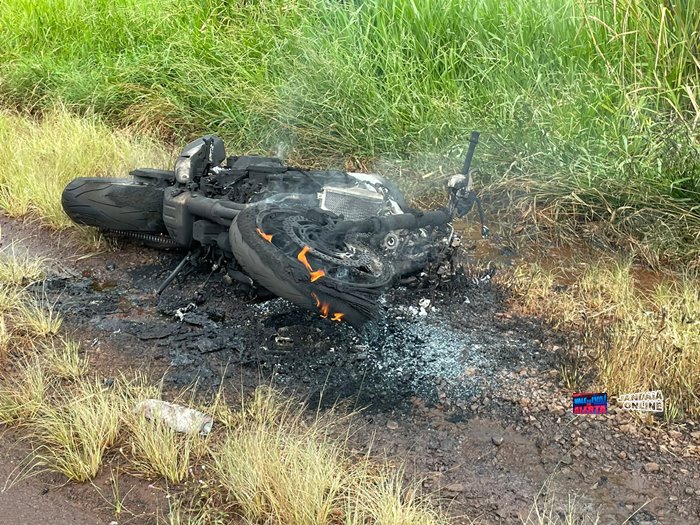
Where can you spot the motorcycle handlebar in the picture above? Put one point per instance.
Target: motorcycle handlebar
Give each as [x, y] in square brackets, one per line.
[404, 221]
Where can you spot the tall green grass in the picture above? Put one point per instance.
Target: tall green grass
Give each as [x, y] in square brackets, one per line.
[589, 105]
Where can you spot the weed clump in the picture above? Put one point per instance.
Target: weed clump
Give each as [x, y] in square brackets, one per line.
[634, 339]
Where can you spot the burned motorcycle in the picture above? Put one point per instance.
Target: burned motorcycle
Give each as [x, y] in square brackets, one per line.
[329, 241]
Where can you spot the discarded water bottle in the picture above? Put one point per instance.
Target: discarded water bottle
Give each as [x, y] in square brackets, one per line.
[179, 418]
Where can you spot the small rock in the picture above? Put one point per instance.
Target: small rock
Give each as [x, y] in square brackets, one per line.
[651, 467]
[392, 425]
[110, 266]
[628, 428]
[695, 435]
[689, 491]
[283, 341]
[455, 487]
[567, 459]
[622, 455]
[497, 440]
[577, 453]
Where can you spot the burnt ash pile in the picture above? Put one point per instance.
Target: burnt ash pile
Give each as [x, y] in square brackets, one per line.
[436, 339]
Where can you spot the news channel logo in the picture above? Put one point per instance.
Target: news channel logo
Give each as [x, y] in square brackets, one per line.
[597, 402]
[590, 403]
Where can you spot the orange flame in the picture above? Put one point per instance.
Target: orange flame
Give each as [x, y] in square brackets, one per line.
[315, 275]
[326, 308]
[266, 236]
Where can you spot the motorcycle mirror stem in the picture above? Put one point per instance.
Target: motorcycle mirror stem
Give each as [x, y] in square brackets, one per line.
[473, 141]
[462, 197]
[459, 185]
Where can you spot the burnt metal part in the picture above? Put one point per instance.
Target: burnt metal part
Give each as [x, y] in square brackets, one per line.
[407, 221]
[177, 271]
[154, 177]
[473, 141]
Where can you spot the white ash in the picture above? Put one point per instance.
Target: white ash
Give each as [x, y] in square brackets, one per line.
[417, 348]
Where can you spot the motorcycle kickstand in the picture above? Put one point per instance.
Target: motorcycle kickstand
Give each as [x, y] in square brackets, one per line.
[177, 271]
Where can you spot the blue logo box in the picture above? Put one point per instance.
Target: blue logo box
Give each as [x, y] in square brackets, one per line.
[590, 403]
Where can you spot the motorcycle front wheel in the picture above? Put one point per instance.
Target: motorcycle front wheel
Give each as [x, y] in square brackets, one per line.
[282, 249]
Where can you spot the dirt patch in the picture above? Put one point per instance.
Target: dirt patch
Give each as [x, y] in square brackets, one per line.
[32, 495]
[449, 381]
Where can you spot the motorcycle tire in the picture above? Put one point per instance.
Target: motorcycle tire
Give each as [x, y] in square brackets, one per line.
[115, 204]
[273, 269]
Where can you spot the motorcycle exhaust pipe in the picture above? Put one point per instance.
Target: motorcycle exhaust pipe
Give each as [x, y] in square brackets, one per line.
[216, 210]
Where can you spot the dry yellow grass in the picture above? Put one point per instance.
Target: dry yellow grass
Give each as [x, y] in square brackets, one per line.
[77, 427]
[636, 340]
[40, 157]
[277, 468]
[20, 268]
[24, 393]
[10, 298]
[548, 508]
[36, 318]
[155, 450]
[63, 358]
[24, 319]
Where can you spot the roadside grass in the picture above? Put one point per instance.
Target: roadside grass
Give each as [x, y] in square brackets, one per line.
[157, 451]
[278, 470]
[37, 318]
[549, 509]
[19, 269]
[589, 109]
[633, 338]
[63, 358]
[76, 429]
[23, 394]
[39, 157]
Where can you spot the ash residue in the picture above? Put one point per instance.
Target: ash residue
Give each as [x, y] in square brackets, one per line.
[435, 341]
[418, 355]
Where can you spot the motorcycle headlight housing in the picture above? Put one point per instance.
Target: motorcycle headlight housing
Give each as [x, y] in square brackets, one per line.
[182, 169]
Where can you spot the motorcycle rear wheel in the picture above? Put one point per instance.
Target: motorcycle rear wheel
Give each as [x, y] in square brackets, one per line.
[115, 204]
